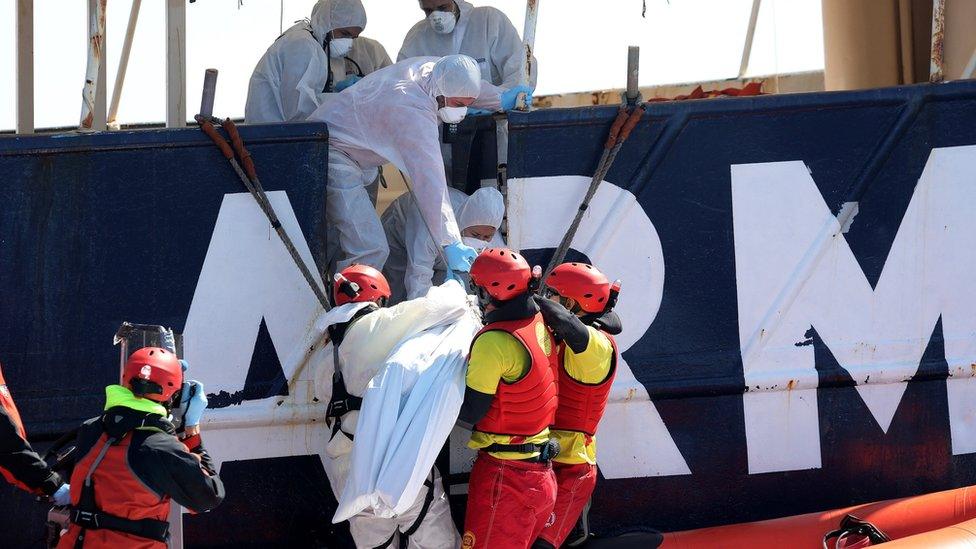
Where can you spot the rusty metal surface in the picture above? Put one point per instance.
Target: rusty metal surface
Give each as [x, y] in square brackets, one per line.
[96, 42]
[812, 81]
[528, 35]
[937, 56]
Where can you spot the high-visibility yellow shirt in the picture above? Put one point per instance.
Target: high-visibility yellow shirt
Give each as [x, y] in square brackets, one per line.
[498, 357]
[591, 366]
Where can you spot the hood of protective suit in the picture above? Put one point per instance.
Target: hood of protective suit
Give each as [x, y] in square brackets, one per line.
[336, 14]
[455, 76]
[485, 207]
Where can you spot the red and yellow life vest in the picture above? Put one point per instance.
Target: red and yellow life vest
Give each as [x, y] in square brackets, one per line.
[581, 405]
[527, 406]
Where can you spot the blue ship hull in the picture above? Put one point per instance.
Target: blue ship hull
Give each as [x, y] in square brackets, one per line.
[796, 299]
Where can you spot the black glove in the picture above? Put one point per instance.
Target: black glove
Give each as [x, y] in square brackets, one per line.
[564, 325]
[608, 322]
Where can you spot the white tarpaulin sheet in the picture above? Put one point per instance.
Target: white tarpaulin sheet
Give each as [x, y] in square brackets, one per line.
[409, 408]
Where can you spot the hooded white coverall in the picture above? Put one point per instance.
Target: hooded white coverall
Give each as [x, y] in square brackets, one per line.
[391, 116]
[483, 33]
[368, 341]
[289, 82]
[414, 264]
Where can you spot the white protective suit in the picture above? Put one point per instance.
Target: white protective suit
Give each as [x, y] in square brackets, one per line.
[407, 362]
[483, 33]
[414, 264]
[290, 80]
[391, 116]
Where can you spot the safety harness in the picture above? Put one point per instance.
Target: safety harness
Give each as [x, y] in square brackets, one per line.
[428, 499]
[88, 516]
[342, 402]
[547, 450]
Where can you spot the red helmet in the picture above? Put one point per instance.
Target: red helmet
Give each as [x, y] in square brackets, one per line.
[583, 283]
[153, 373]
[371, 285]
[502, 273]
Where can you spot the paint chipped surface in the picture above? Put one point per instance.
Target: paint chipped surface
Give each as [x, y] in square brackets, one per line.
[96, 41]
[848, 211]
[937, 55]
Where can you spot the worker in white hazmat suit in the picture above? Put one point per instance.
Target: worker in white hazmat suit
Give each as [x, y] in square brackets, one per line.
[312, 62]
[393, 116]
[363, 333]
[414, 264]
[483, 33]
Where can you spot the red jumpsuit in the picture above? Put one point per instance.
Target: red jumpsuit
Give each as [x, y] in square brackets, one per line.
[512, 489]
[581, 406]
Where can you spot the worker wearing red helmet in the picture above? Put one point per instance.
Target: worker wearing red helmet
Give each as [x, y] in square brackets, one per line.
[579, 312]
[19, 464]
[509, 404]
[134, 461]
[366, 334]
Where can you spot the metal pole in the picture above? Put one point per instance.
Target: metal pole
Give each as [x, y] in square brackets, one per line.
[937, 56]
[633, 71]
[528, 44]
[25, 66]
[130, 30]
[175, 63]
[501, 167]
[750, 34]
[528, 35]
[209, 92]
[93, 94]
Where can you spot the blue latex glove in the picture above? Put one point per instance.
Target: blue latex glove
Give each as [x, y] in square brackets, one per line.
[347, 82]
[459, 257]
[195, 400]
[475, 111]
[184, 364]
[510, 96]
[62, 496]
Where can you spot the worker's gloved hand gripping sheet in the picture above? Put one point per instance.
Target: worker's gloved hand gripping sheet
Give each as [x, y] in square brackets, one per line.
[409, 408]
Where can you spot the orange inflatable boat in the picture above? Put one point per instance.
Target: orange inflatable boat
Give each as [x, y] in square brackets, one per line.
[957, 536]
[947, 518]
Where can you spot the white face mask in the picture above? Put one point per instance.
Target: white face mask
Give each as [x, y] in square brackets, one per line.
[452, 115]
[339, 47]
[475, 243]
[442, 21]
